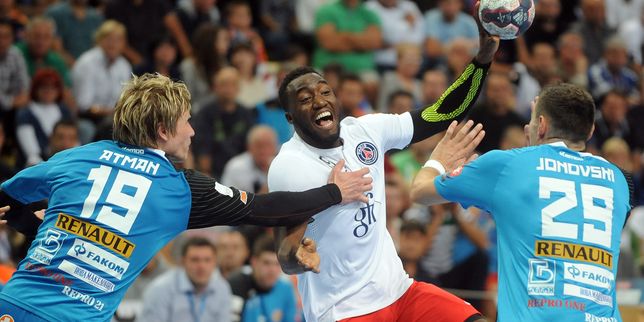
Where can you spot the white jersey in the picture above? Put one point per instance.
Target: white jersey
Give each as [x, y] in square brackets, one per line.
[360, 271]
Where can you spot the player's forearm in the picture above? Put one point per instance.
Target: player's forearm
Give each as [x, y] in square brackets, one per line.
[423, 190]
[454, 104]
[288, 241]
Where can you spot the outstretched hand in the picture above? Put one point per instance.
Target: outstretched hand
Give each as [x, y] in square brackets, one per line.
[457, 146]
[352, 184]
[488, 44]
[307, 255]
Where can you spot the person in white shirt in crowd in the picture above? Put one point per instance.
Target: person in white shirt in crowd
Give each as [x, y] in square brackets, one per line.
[248, 170]
[98, 76]
[402, 22]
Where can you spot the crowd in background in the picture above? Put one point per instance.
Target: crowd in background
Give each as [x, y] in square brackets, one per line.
[63, 63]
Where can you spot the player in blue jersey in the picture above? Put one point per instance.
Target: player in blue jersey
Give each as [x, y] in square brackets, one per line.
[559, 211]
[114, 204]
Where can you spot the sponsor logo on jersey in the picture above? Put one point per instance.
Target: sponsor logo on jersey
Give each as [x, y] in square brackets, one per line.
[98, 258]
[541, 277]
[243, 196]
[589, 274]
[586, 293]
[48, 246]
[89, 300]
[365, 218]
[44, 271]
[367, 153]
[226, 191]
[583, 253]
[6, 318]
[96, 234]
[594, 318]
[570, 304]
[86, 276]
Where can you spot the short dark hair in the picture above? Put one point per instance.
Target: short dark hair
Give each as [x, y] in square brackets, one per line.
[570, 109]
[398, 93]
[291, 76]
[197, 242]
[410, 226]
[349, 77]
[7, 22]
[263, 244]
[65, 122]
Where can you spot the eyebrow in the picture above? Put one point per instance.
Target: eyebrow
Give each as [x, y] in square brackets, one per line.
[321, 81]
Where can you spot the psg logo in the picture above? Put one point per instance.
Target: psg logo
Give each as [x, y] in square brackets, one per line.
[367, 153]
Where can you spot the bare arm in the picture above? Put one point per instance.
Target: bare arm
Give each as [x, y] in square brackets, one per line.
[174, 26]
[332, 40]
[295, 253]
[369, 39]
[454, 150]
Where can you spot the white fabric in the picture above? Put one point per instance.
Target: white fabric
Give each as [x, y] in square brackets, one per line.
[47, 115]
[95, 82]
[242, 173]
[396, 29]
[358, 275]
[26, 135]
[632, 33]
[305, 14]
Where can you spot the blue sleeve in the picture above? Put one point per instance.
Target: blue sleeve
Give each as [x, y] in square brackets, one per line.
[473, 185]
[31, 184]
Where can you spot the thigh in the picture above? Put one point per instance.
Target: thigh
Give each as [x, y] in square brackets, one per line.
[426, 302]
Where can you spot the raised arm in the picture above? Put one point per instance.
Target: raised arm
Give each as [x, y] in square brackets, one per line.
[459, 98]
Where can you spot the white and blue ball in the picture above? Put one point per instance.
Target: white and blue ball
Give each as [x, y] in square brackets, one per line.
[506, 18]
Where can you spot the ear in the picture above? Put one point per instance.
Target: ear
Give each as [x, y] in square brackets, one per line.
[162, 133]
[592, 130]
[543, 127]
[289, 117]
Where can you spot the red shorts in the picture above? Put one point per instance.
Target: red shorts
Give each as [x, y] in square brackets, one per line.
[422, 302]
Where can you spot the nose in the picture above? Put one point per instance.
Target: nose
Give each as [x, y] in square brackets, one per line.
[192, 130]
[319, 101]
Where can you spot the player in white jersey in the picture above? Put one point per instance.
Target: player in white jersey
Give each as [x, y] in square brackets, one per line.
[360, 277]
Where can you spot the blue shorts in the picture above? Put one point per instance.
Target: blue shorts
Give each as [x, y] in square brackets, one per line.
[11, 313]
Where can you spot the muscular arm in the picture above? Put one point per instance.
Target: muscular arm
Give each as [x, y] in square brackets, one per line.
[333, 40]
[288, 241]
[215, 204]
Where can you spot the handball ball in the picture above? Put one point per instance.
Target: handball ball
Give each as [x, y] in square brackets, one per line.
[506, 18]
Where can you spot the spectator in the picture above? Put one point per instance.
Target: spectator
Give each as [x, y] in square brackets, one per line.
[194, 292]
[612, 72]
[222, 125]
[402, 22]
[635, 117]
[611, 119]
[64, 136]
[412, 246]
[410, 59]
[445, 24]
[6, 170]
[35, 124]
[162, 59]
[211, 44]
[76, 23]
[262, 294]
[434, 85]
[572, 65]
[457, 249]
[397, 200]
[619, 11]
[593, 28]
[400, 101]
[278, 22]
[99, 75]
[240, 27]
[144, 20]
[14, 78]
[132, 303]
[194, 13]
[15, 17]
[458, 54]
[347, 33]
[232, 252]
[38, 48]
[305, 11]
[409, 161]
[332, 73]
[546, 27]
[256, 86]
[248, 170]
[496, 111]
[351, 96]
[632, 32]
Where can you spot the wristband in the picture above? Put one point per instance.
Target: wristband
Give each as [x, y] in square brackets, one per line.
[435, 165]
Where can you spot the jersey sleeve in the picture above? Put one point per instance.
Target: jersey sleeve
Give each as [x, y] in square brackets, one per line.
[395, 130]
[31, 184]
[474, 184]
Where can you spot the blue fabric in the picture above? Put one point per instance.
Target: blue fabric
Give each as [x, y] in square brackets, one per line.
[278, 303]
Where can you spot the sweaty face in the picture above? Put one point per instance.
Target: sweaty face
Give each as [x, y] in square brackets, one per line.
[314, 111]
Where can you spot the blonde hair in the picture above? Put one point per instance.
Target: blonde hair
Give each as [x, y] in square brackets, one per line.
[147, 102]
[107, 28]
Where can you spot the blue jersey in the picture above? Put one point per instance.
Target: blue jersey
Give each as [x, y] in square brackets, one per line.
[111, 209]
[559, 216]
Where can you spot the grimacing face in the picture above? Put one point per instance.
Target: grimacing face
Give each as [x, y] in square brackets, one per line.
[314, 111]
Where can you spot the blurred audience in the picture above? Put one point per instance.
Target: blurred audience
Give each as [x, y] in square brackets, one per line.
[446, 23]
[76, 23]
[410, 58]
[233, 251]
[248, 171]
